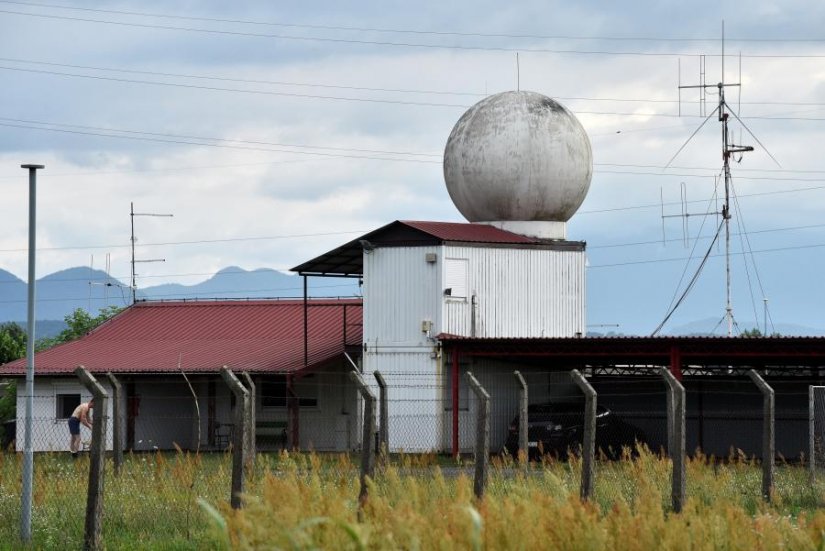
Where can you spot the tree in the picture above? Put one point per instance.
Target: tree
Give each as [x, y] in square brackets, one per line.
[79, 323]
[12, 347]
[12, 342]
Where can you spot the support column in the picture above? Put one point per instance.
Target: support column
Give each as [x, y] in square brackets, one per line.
[523, 400]
[676, 420]
[482, 455]
[239, 435]
[455, 399]
[293, 413]
[117, 422]
[384, 408]
[97, 456]
[589, 436]
[768, 448]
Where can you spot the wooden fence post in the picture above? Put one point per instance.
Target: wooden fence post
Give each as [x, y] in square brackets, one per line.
[676, 420]
[251, 420]
[523, 401]
[482, 450]
[240, 435]
[384, 408]
[589, 436]
[368, 438]
[768, 453]
[117, 422]
[97, 452]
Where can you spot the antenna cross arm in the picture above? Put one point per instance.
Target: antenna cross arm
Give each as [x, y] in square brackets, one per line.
[739, 148]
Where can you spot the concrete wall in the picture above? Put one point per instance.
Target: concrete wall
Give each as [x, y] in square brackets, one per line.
[166, 415]
[50, 433]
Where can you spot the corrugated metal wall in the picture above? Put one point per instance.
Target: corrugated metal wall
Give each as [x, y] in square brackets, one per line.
[518, 293]
[401, 289]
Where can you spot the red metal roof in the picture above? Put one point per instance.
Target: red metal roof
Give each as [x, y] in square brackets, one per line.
[347, 260]
[468, 232]
[256, 336]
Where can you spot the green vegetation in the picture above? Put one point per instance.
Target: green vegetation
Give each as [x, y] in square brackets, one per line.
[299, 501]
[79, 323]
[12, 342]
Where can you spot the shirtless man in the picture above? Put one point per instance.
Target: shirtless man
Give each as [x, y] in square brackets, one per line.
[80, 416]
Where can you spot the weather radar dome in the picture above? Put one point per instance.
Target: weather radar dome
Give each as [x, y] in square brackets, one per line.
[519, 161]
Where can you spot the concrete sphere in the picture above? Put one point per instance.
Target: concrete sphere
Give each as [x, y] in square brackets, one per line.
[518, 156]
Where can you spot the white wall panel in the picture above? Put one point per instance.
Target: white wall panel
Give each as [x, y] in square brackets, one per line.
[401, 289]
[518, 293]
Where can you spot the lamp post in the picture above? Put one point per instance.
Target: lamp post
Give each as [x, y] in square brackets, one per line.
[28, 456]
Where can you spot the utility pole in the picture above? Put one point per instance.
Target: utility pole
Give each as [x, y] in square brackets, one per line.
[28, 455]
[132, 215]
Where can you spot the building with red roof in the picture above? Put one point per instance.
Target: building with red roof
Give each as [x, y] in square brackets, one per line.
[292, 349]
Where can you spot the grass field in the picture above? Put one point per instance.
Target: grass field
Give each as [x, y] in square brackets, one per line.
[179, 501]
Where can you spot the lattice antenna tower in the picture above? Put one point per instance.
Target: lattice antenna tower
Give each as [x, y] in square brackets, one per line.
[132, 215]
[729, 148]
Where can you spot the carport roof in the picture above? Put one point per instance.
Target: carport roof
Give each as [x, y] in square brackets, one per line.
[259, 336]
[600, 351]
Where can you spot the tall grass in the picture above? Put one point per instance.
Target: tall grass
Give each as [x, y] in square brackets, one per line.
[307, 501]
[533, 507]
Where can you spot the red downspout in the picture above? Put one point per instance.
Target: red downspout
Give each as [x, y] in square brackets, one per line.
[676, 363]
[454, 356]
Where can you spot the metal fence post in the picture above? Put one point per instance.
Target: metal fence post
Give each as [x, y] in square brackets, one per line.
[589, 436]
[482, 436]
[97, 451]
[811, 435]
[117, 422]
[367, 455]
[523, 401]
[251, 420]
[239, 436]
[768, 453]
[676, 420]
[384, 408]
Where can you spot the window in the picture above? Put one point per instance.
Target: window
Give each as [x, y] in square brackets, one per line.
[274, 392]
[65, 405]
[455, 285]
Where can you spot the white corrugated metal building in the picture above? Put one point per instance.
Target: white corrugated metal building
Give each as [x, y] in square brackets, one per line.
[422, 279]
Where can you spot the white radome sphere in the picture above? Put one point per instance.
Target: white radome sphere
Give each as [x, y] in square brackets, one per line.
[521, 161]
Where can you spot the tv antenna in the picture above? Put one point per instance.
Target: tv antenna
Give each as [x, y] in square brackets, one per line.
[132, 215]
[729, 149]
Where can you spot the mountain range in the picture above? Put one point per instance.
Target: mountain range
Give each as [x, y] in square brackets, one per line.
[62, 292]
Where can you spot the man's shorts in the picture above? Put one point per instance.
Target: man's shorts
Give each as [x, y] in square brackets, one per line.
[74, 426]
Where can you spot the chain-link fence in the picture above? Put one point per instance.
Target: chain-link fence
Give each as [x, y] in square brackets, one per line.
[180, 438]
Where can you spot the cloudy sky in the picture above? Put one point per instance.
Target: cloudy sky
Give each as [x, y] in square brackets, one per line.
[275, 131]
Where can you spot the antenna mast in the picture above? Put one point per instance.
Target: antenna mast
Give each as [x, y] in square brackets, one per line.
[132, 215]
[728, 148]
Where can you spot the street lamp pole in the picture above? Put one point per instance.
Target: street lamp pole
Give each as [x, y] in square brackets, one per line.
[28, 456]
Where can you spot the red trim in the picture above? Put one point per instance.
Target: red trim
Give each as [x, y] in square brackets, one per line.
[456, 380]
[676, 363]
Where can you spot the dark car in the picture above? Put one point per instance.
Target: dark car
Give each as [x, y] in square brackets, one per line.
[556, 429]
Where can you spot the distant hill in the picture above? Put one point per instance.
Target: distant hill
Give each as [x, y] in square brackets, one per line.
[234, 282]
[706, 326]
[62, 292]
